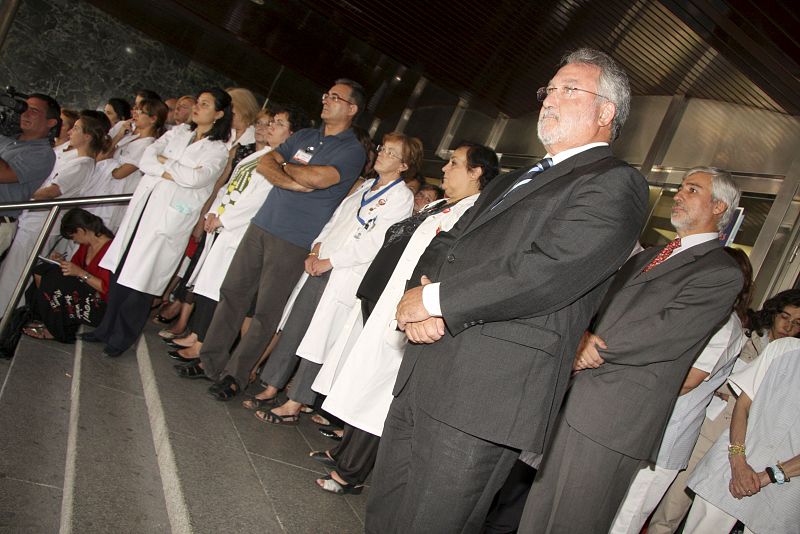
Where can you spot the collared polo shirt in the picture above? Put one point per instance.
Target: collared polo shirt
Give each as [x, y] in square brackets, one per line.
[298, 217]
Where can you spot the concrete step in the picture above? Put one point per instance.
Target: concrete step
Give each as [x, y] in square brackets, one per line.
[112, 473]
[230, 472]
[34, 425]
[90, 444]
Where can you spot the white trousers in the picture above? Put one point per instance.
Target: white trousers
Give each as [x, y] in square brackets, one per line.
[705, 518]
[648, 487]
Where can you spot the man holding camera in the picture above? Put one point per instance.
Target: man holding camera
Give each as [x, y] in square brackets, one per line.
[26, 161]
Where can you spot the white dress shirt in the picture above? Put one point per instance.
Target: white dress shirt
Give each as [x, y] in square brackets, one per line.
[430, 293]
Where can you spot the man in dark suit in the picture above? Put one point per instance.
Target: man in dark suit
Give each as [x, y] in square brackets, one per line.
[514, 285]
[659, 313]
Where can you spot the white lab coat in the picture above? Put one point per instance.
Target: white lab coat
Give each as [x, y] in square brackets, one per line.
[217, 257]
[68, 173]
[130, 149]
[168, 209]
[359, 373]
[351, 249]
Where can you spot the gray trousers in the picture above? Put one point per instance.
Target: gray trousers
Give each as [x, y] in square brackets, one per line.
[265, 265]
[283, 361]
[431, 477]
[578, 487]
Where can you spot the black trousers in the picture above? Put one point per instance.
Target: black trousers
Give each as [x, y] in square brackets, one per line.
[125, 316]
[201, 317]
[506, 510]
[432, 477]
[355, 454]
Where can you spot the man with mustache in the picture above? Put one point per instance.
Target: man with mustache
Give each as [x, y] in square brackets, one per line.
[662, 308]
[505, 297]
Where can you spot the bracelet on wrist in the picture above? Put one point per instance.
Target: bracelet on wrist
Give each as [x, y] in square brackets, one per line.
[777, 472]
[783, 472]
[771, 475]
[736, 449]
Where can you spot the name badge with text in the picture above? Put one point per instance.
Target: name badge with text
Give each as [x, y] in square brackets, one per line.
[302, 157]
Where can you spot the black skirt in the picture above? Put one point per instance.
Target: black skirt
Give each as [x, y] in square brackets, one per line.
[63, 303]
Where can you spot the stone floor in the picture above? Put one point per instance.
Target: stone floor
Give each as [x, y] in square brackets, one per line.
[89, 444]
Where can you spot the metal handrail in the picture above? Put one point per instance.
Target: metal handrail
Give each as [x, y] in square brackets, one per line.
[55, 206]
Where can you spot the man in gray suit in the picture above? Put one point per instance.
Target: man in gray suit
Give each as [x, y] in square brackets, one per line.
[513, 286]
[660, 311]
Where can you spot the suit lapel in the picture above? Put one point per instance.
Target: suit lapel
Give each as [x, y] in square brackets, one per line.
[553, 173]
[672, 263]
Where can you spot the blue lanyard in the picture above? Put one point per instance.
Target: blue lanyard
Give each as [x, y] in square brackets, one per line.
[365, 200]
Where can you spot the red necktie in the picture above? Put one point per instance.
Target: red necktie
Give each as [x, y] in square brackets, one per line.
[664, 254]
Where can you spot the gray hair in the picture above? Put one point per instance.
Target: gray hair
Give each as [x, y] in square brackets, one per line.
[723, 189]
[613, 83]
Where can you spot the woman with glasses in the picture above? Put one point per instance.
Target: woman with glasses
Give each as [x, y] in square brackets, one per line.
[359, 384]
[180, 169]
[226, 221]
[334, 267]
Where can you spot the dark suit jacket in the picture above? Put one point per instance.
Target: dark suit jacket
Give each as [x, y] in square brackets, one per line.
[519, 284]
[655, 324]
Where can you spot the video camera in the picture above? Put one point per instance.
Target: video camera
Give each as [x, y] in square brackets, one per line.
[12, 105]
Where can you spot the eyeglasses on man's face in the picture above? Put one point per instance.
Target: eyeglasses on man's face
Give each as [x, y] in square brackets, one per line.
[333, 97]
[383, 150]
[565, 91]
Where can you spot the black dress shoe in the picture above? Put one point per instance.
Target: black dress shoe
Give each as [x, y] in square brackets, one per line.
[175, 356]
[112, 353]
[328, 433]
[90, 337]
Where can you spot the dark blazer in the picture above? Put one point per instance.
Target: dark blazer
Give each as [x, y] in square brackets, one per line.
[655, 324]
[519, 284]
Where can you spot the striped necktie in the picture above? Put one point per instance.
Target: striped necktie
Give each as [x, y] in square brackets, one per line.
[665, 253]
[526, 177]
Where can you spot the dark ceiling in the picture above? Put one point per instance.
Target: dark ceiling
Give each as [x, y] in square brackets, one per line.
[495, 54]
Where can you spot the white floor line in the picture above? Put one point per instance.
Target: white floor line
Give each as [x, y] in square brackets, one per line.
[68, 495]
[177, 509]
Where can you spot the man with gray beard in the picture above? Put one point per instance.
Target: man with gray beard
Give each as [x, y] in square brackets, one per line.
[502, 301]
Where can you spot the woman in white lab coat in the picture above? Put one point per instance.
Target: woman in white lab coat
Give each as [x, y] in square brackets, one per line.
[225, 223]
[360, 371]
[180, 169]
[120, 173]
[341, 254]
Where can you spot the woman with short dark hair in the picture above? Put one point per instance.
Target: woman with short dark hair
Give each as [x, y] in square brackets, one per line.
[180, 169]
[70, 293]
[358, 382]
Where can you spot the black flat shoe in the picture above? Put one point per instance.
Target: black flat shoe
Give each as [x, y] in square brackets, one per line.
[323, 458]
[328, 433]
[90, 337]
[164, 320]
[191, 370]
[175, 356]
[327, 483]
[112, 353]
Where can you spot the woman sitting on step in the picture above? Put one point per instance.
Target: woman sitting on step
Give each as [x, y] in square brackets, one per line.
[67, 294]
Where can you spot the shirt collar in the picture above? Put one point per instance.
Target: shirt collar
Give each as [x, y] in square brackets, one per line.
[564, 154]
[697, 239]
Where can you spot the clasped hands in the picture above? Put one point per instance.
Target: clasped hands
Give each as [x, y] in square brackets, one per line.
[414, 319]
[587, 356]
[745, 482]
[315, 266]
